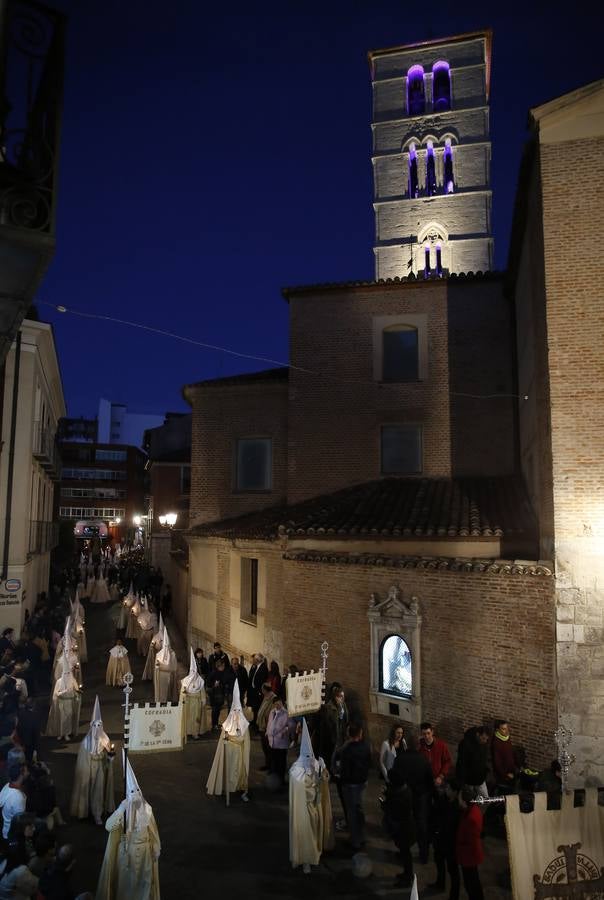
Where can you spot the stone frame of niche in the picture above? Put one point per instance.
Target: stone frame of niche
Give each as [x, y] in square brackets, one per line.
[394, 616]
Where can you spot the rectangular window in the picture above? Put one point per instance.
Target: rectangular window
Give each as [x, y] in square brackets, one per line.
[185, 479]
[253, 464]
[113, 455]
[249, 590]
[94, 474]
[401, 449]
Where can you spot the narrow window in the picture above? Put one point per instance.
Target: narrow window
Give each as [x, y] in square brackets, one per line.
[441, 86]
[401, 449]
[413, 185]
[430, 170]
[395, 667]
[448, 180]
[439, 260]
[249, 590]
[426, 260]
[416, 97]
[253, 464]
[400, 354]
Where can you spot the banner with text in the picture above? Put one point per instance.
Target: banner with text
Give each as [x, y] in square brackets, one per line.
[556, 853]
[154, 727]
[304, 693]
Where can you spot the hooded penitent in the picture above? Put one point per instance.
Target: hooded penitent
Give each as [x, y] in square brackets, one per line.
[164, 657]
[192, 683]
[235, 723]
[96, 740]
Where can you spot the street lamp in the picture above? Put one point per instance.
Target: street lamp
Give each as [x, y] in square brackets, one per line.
[168, 520]
[136, 520]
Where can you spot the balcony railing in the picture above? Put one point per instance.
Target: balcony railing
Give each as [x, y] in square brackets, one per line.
[31, 86]
[43, 536]
[45, 450]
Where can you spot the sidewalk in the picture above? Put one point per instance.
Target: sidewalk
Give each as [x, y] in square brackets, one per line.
[207, 847]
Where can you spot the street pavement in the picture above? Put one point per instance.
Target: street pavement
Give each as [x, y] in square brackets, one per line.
[208, 848]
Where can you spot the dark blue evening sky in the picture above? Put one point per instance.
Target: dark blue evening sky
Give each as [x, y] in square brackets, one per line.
[213, 153]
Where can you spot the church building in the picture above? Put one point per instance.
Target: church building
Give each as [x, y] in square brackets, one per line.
[380, 493]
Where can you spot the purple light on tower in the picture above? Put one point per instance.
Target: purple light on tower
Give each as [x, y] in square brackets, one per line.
[448, 168]
[441, 86]
[413, 186]
[416, 97]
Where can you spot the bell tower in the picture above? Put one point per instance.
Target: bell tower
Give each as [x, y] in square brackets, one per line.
[431, 157]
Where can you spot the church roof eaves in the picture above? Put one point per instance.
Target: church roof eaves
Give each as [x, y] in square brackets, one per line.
[536, 113]
[286, 292]
[427, 563]
[278, 374]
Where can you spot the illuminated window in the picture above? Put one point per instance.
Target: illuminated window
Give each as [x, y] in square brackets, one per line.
[396, 676]
[413, 183]
[448, 180]
[430, 170]
[416, 97]
[253, 464]
[400, 360]
[441, 86]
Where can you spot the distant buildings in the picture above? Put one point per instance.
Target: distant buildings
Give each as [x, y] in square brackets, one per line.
[31, 404]
[114, 424]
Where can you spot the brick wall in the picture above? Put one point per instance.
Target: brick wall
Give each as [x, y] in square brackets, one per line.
[221, 415]
[476, 630]
[335, 416]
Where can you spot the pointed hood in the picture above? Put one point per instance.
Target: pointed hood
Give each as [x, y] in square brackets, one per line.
[138, 811]
[66, 681]
[307, 763]
[130, 597]
[136, 608]
[146, 620]
[193, 682]
[236, 723]
[162, 627]
[96, 739]
[163, 656]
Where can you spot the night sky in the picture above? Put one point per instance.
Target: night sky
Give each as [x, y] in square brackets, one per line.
[213, 153]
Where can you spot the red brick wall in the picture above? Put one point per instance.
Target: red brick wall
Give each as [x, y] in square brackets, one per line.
[487, 644]
[335, 415]
[220, 416]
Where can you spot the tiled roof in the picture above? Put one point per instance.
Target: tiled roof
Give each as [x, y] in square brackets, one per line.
[381, 282]
[427, 563]
[394, 508]
[280, 373]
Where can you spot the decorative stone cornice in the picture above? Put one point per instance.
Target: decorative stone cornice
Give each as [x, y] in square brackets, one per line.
[426, 563]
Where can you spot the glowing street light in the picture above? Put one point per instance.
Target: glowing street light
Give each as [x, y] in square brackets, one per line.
[168, 520]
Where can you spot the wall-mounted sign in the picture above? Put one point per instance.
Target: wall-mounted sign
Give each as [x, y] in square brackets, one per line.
[12, 585]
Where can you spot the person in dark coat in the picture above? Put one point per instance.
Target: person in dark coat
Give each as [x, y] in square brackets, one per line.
[473, 758]
[400, 824]
[413, 769]
[203, 666]
[258, 675]
[355, 762]
[216, 688]
[217, 656]
[28, 728]
[446, 820]
[242, 678]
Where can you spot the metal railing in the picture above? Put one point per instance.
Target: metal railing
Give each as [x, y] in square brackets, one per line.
[43, 536]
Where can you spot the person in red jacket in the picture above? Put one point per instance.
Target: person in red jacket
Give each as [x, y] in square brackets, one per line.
[468, 847]
[436, 752]
[504, 761]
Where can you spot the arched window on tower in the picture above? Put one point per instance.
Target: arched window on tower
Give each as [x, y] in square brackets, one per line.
[427, 261]
[430, 170]
[400, 348]
[416, 97]
[439, 260]
[448, 180]
[413, 184]
[441, 86]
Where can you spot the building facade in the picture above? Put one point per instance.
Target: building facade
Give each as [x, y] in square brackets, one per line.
[32, 403]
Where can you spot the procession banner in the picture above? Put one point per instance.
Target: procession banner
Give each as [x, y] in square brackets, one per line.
[556, 853]
[304, 693]
[155, 726]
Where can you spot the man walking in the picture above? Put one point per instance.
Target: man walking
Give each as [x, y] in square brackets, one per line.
[355, 761]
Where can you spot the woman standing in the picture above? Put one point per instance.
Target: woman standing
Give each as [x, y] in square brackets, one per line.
[391, 748]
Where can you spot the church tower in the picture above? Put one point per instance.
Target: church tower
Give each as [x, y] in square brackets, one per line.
[431, 157]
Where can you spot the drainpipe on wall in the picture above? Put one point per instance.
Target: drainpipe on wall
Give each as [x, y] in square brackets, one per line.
[11, 456]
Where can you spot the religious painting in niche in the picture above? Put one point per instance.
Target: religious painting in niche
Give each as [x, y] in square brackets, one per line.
[395, 667]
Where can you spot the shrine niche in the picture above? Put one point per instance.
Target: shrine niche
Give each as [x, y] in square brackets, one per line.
[395, 627]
